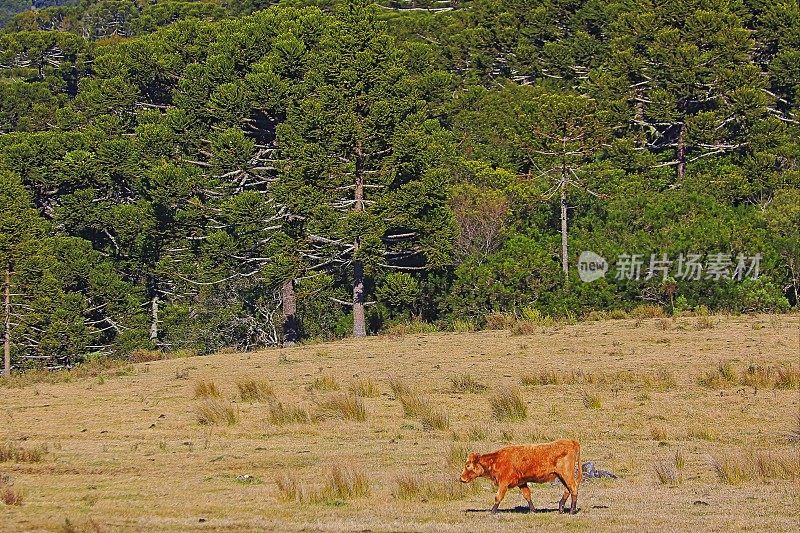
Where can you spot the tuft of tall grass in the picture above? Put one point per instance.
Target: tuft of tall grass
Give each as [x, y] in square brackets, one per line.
[280, 414]
[398, 386]
[414, 327]
[499, 321]
[543, 377]
[148, 356]
[663, 380]
[416, 406]
[702, 433]
[592, 400]
[668, 471]
[524, 327]
[92, 368]
[508, 405]
[434, 419]
[787, 377]
[291, 489]
[325, 383]
[255, 390]
[597, 316]
[215, 412]
[345, 406]
[340, 484]
[413, 404]
[365, 388]
[721, 376]
[478, 433]
[145, 356]
[344, 484]
[11, 452]
[412, 487]
[534, 316]
[206, 389]
[680, 460]
[466, 383]
[463, 326]
[647, 311]
[532, 320]
[757, 376]
[10, 495]
[738, 467]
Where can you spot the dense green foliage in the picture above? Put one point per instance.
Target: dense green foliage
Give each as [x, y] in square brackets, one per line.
[235, 174]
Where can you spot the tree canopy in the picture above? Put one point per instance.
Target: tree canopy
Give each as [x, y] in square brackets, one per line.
[202, 175]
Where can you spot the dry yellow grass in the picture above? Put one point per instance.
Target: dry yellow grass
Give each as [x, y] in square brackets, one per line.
[206, 389]
[215, 411]
[365, 388]
[11, 451]
[10, 495]
[255, 390]
[128, 452]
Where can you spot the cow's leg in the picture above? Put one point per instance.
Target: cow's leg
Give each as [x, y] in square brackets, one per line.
[501, 493]
[573, 505]
[526, 493]
[572, 491]
[562, 501]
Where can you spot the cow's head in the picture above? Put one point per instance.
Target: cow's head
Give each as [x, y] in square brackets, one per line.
[472, 468]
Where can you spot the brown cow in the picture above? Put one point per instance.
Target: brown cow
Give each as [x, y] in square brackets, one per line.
[516, 466]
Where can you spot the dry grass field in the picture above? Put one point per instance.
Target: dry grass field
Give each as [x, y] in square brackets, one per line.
[699, 418]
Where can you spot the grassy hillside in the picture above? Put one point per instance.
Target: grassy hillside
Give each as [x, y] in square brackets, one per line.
[137, 448]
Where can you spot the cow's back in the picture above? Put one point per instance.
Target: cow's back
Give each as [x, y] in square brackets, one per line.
[538, 462]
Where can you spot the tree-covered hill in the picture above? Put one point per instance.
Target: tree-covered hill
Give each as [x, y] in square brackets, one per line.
[10, 8]
[210, 174]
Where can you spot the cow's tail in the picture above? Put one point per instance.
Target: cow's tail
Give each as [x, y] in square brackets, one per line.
[578, 461]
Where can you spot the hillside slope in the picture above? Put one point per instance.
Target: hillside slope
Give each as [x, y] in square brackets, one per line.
[126, 452]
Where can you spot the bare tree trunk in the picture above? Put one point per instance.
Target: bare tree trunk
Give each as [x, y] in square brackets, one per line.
[359, 323]
[564, 248]
[681, 151]
[154, 317]
[7, 325]
[289, 305]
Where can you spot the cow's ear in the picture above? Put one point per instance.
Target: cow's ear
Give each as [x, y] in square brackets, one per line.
[473, 457]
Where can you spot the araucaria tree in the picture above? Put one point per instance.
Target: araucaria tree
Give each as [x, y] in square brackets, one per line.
[360, 172]
[560, 136]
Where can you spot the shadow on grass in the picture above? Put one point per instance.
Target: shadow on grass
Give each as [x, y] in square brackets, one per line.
[519, 509]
